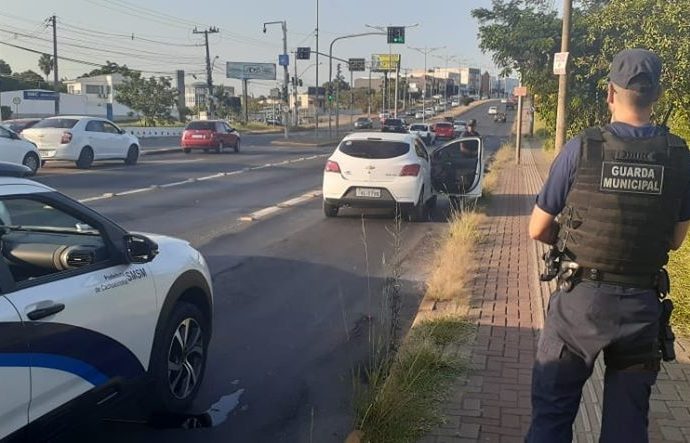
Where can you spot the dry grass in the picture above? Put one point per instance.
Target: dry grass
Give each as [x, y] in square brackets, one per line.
[504, 155]
[401, 404]
[679, 269]
[454, 261]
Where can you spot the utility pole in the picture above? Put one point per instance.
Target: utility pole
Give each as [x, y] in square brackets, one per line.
[316, 107]
[562, 109]
[53, 20]
[295, 82]
[246, 100]
[369, 93]
[352, 95]
[209, 74]
[426, 52]
[286, 73]
[337, 101]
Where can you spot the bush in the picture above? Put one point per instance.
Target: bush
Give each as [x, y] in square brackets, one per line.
[467, 100]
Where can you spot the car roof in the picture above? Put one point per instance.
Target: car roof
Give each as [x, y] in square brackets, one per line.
[79, 117]
[382, 136]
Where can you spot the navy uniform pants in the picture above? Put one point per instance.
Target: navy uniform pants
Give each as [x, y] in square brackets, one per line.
[592, 318]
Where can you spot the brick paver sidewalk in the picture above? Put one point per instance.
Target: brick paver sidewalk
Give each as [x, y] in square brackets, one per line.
[508, 304]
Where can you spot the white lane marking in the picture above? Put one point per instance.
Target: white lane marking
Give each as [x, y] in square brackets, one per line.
[270, 210]
[195, 179]
[132, 191]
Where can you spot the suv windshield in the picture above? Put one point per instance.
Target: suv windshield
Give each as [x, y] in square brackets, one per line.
[443, 125]
[374, 149]
[362, 119]
[418, 128]
[202, 126]
[61, 123]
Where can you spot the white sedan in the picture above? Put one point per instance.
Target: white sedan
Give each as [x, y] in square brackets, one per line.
[493, 110]
[83, 140]
[14, 149]
[395, 171]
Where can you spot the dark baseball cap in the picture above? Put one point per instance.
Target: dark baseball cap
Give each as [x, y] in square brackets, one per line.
[636, 69]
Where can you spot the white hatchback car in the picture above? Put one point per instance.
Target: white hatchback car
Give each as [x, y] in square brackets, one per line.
[380, 170]
[15, 149]
[91, 314]
[82, 140]
[395, 171]
[425, 131]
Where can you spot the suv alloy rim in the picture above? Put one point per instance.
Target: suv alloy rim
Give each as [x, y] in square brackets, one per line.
[185, 358]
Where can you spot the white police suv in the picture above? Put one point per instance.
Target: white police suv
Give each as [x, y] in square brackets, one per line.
[90, 313]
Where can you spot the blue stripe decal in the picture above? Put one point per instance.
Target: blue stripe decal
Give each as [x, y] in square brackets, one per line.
[58, 362]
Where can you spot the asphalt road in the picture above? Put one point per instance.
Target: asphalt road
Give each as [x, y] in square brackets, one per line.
[296, 294]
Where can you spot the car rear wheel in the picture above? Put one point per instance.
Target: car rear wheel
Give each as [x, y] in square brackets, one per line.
[178, 360]
[32, 162]
[85, 159]
[132, 155]
[418, 212]
[330, 210]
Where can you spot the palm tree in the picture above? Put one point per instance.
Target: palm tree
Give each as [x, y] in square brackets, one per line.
[45, 64]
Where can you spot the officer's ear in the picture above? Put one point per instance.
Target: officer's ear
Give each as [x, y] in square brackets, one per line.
[610, 94]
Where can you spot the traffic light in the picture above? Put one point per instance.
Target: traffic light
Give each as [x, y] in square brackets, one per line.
[396, 34]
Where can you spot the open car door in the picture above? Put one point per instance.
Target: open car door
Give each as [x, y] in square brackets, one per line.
[457, 168]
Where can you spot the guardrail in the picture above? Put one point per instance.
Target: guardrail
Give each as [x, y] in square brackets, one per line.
[154, 131]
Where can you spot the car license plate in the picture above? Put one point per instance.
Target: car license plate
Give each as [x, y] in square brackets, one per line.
[197, 136]
[367, 192]
[47, 154]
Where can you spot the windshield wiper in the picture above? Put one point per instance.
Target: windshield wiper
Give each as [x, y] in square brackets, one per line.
[50, 230]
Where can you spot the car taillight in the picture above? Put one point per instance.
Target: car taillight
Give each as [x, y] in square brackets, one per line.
[66, 138]
[410, 170]
[332, 166]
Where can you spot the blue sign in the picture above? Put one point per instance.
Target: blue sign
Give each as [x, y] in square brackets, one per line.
[40, 95]
[283, 59]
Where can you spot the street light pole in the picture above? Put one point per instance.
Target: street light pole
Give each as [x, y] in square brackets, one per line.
[330, 66]
[286, 74]
[426, 51]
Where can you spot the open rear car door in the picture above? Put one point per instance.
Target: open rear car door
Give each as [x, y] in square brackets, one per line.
[457, 168]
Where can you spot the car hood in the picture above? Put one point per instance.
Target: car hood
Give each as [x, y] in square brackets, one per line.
[163, 239]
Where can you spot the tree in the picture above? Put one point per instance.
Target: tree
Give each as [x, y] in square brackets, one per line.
[153, 97]
[45, 64]
[522, 35]
[108, 68]
[5, 68]
[5, 112]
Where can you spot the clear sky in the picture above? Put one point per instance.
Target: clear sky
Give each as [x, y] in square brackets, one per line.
[100, 30]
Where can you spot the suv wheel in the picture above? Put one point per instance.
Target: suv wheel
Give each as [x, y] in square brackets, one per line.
[85, 159]
[178, 360]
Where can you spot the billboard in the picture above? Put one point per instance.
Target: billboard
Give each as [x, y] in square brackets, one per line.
[251, 71]
[385, 62]
[40, 95]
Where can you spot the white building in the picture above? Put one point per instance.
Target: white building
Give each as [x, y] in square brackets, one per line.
[70, 104]
[195, 94]
[97, 89]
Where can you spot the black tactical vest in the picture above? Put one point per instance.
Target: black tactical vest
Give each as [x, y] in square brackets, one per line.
[624, 203]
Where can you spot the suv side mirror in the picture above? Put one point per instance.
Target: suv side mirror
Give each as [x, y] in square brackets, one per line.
[140, 249]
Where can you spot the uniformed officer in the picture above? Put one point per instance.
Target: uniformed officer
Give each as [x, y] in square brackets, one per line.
[622, 201]
[470, 129]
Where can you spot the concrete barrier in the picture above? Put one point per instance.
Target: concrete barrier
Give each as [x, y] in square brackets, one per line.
[154, 131]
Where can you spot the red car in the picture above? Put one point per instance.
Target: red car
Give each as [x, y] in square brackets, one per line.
[444, 130]
[208, 135]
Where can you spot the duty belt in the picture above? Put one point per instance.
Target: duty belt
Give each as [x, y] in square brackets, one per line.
[642, 281]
